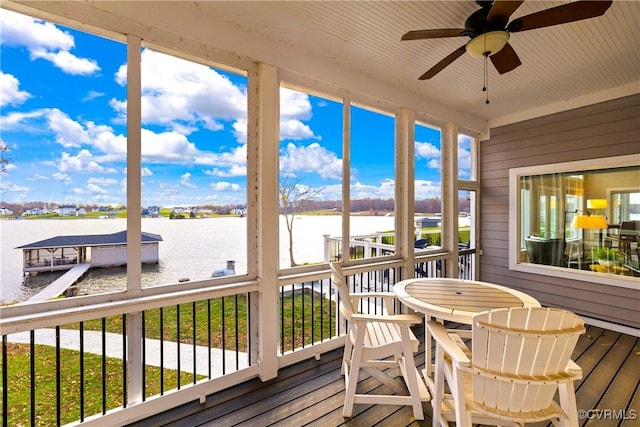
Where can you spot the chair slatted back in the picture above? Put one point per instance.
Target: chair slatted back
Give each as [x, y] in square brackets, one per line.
[346, 304]
[520, 343]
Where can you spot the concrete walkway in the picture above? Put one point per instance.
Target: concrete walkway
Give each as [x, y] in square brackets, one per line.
[70, 339]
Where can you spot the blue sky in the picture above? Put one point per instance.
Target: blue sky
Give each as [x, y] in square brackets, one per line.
[63, 100]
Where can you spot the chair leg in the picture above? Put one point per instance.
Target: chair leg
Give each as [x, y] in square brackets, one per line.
[438, 389]
[463, 417]
[351, 374]
[346, 356]
[567, 396]
[411, 375]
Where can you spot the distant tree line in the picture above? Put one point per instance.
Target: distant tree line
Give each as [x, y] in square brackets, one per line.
[373, 206]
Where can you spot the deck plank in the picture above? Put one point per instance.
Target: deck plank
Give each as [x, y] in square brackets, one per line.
[311, 393]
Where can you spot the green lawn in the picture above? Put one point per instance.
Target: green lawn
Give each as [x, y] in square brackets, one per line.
[19, 357]
[19, 393]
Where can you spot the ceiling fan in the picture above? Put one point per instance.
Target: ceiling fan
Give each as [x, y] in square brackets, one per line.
[489, 29]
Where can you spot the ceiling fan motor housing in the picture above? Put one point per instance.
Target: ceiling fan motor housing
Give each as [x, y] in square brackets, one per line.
[477, 22]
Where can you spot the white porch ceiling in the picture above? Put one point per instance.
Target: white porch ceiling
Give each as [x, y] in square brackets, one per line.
[562, 67]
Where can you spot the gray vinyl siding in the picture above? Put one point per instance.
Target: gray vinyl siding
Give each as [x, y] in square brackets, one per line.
[607, 129]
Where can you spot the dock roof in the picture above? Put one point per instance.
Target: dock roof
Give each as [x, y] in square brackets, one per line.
[119, 238]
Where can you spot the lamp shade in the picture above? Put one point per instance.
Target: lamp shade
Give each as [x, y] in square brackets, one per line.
[597, 204]
[487, 43]
[589, 222]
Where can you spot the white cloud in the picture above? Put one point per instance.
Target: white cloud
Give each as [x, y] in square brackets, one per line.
[234, 170]
[311, 158]
[146, 172]
[225, 186]
[464, 153]
[9, 187]
[102, 181]
[63, 177]
[10, 94]
[82, 162]
[294, 105]
[295, 130]
[43, 40]
[167, 147]
[386, 190]
[69, 133]
[68, 62]
[427, 189]
[38, 177]
[185, 180]
[28, 122]
[91, 95]
[178, 93]
[96, 189]
[294, 108]
[426, 150]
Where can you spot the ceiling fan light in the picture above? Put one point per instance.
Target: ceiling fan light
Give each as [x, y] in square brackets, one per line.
[487, 43]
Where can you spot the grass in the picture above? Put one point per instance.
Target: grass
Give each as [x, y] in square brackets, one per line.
[176, 321]
[45, 414]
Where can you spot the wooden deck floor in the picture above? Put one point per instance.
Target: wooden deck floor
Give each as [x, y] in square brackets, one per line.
[311, 393]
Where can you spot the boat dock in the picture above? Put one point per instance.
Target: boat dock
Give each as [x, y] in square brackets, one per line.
[59, 286]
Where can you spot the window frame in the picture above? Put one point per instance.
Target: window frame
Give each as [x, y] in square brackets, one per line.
[515, 220]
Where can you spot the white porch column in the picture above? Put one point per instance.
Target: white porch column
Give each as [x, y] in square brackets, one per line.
[135, 366]
[449, 152]
[405, 188]
[346, 180]
[263, 204]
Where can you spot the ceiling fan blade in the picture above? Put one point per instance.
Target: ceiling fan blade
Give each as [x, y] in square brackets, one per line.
[506, 59]
[565, 13]
[434, 34]
[503, 9]
[442, 64]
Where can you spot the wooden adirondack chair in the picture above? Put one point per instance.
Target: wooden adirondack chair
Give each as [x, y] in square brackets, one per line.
[520, 357]
[376, 343]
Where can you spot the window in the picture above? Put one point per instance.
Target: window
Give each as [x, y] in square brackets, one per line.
[428, 187]
[568, 217]
[66, 147]
[310, 177]
[372, 186]
[194, 176]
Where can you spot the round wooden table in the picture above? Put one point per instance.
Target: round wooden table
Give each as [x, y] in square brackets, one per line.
[455, 300]
[458, 300]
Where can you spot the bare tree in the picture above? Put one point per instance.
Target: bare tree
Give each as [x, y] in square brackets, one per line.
[293, 198]
[4, 161]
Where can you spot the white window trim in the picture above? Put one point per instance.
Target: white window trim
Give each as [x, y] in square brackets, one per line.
[514, 220]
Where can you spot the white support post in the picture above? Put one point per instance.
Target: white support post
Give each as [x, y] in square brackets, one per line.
[265, 202]
[449, 152]
[405, 189]
[135, 365]
[346, 179]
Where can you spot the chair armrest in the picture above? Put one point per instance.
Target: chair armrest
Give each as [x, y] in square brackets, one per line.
[450, 347]
[373, 295]
[400, 319]
[574, 369]
[388, 298]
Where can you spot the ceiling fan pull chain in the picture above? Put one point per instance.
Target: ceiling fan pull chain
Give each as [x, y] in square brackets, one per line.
[485, 88]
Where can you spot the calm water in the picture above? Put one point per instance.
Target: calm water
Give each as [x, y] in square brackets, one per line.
[191, 248]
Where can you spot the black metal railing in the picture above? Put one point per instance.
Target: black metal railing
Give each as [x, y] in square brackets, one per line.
[71, 372]
[186, 339]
